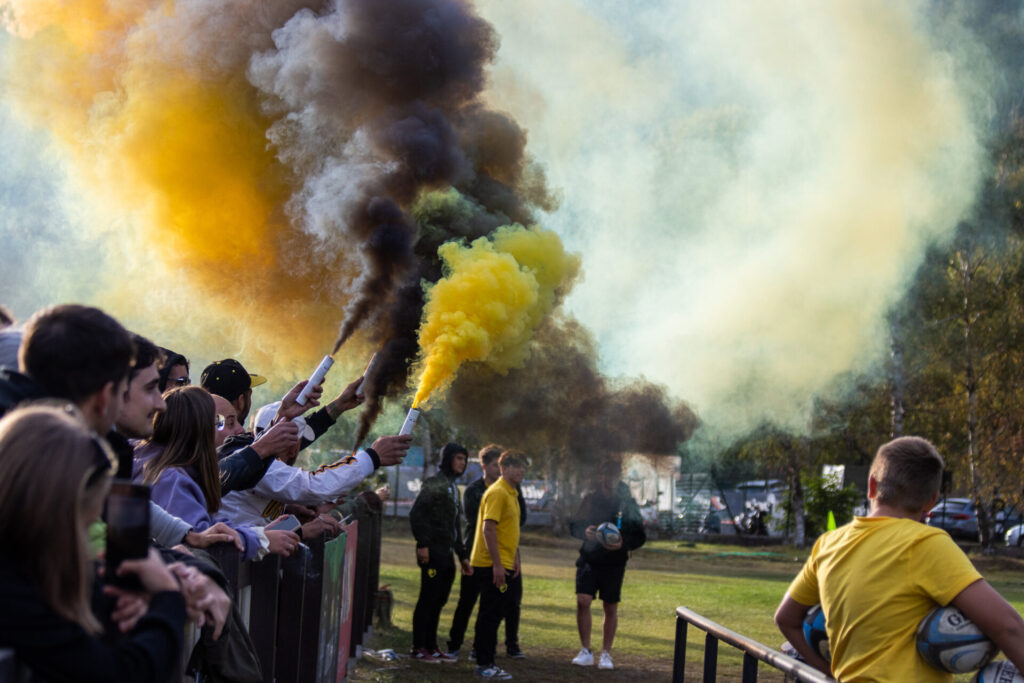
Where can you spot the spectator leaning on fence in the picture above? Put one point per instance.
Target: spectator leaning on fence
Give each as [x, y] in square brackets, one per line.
[54, 477]
[285, 484]
[243, 459]
[141, 403]
[82, 355]
[878, 576]
[179, 462]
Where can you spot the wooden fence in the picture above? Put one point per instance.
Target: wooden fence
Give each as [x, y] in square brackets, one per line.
[309, 613]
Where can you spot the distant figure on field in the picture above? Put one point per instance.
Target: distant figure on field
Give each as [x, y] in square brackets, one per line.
[601, 568]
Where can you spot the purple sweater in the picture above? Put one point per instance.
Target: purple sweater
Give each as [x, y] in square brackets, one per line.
[178, 493]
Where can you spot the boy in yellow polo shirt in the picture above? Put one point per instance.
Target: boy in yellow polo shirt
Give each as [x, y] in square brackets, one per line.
[878, 576]
[495, 558]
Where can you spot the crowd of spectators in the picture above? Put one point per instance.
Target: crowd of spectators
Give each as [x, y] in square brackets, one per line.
[83, 403]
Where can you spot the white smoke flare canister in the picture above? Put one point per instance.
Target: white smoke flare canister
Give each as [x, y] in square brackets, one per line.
[410, 422]
[316, 378]
[366, 374]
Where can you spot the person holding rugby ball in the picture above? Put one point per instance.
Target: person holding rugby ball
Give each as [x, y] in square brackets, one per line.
[601, 568]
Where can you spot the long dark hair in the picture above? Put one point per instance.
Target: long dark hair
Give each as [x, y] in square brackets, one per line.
[185, 430]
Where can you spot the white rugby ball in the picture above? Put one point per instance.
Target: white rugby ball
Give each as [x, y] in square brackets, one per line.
[999, 672]
[950, 641]
[608, 534]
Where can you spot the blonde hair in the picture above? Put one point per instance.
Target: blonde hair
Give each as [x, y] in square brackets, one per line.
[52, 470]
[907, 473]
[185, 430]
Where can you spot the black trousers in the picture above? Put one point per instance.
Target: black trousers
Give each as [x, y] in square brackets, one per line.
[493, 604]
[468, 593]
[436, 579]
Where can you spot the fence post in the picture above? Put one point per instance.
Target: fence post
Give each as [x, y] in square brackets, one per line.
[710, 658]
[679, 660]
[291, 598]
[309, 641]
[263, 612]
[749, 668]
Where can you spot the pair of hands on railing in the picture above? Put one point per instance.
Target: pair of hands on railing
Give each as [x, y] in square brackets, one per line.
[205, 601]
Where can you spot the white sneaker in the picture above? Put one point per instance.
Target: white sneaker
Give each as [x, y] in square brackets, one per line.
[584, 658]
[605, 662]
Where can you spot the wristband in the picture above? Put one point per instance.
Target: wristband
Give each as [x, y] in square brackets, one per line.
[374, 457]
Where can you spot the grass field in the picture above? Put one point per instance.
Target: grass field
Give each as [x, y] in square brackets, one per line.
[736, 587]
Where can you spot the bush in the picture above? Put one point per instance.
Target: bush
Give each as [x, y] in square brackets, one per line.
[822, 494]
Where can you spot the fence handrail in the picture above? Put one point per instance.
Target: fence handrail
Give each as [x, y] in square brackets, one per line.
[784, 663]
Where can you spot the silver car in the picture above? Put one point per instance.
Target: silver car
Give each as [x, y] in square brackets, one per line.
[957, 516]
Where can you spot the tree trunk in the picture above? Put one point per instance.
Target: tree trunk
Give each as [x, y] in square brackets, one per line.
[898, 381]
[797, 498]
[971, 390]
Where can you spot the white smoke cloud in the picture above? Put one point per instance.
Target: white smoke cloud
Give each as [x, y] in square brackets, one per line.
[751, 184]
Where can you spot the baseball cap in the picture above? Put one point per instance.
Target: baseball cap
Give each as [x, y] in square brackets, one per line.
[265, 415]
[228, 378]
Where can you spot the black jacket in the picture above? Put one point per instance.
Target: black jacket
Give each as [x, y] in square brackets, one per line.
[241, 468]
[16, 388]
[596, 509]
[436, 514]
[56, 649]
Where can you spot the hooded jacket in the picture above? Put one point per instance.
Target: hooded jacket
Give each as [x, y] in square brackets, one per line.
[436, 512]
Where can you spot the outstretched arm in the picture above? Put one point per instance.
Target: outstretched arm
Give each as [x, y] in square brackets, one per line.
[995, 617]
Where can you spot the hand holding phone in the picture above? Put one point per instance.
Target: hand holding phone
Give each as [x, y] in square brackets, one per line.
[284, 523]
[128, 537]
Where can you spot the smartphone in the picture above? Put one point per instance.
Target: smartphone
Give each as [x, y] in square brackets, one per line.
[128, 537]
[289, 523]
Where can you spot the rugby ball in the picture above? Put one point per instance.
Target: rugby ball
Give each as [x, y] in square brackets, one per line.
[815, 634]
[951, 642]
[999, 672]
[608, 534]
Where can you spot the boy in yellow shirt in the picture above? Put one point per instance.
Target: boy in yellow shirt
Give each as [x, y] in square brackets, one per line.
[495, 558]
[878, 576]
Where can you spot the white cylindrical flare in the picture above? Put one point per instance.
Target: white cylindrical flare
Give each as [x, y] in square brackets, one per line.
[316, 378]
[366, 374]
[410, 422]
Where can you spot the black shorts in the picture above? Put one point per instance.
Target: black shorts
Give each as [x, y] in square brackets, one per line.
[602, 580]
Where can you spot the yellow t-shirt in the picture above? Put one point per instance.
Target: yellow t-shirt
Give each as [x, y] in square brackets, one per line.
[500, 504]
[876, 578]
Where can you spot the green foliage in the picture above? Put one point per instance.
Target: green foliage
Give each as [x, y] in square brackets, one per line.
[823, 493]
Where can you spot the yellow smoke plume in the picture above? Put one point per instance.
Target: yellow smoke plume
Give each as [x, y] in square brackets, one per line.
[170, 144]
[495, 294]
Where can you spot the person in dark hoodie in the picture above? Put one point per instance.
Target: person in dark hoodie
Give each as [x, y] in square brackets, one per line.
[600, 568]
[435, 520]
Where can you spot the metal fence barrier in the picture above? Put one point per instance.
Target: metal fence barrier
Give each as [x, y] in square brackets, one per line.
[753, 652]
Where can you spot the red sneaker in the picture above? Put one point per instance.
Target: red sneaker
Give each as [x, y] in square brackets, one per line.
[423, 655]
[443, 657]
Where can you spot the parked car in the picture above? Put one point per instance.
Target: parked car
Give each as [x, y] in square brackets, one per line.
[957, 516]
[1015, 535]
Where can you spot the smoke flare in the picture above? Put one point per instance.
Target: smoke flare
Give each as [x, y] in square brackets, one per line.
[487, 307]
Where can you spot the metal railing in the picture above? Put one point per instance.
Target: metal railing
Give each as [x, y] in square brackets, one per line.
[753, 652]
